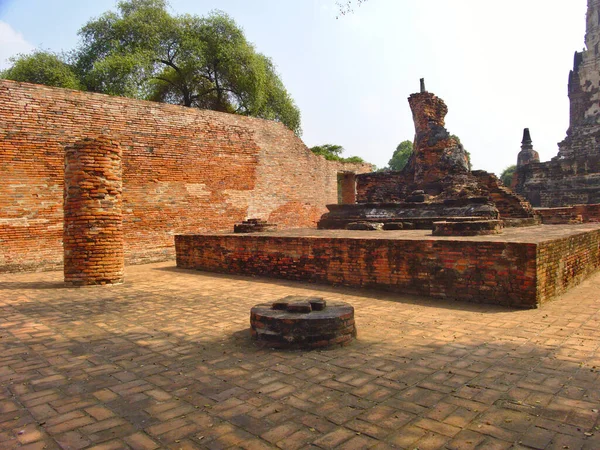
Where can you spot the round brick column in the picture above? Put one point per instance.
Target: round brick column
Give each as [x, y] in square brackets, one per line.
[93, 222]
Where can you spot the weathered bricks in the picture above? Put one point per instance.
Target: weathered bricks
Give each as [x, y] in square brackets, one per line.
[505, 269]
[467, 228]
[93, 220]
[572, 177]
[302, 326]
[184, 170]
[570, 214]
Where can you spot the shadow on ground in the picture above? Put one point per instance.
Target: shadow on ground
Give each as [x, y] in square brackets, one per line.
[171, 359]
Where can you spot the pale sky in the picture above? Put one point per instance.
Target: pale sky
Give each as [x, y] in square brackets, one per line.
[500, 66]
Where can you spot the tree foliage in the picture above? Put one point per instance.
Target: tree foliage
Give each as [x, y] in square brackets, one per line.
[507, 175]
[333, 152]
[401, 155]
[42, 67]
[142, 51]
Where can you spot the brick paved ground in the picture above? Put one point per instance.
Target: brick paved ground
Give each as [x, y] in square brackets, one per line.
[165, 361]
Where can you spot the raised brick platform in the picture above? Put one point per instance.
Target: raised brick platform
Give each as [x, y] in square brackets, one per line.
[523, 267]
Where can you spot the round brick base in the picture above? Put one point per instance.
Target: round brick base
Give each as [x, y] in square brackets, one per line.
[302, 323]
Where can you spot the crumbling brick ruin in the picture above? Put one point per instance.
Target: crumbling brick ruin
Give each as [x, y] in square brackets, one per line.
[435, 184]
[184, 170]
[573, 176]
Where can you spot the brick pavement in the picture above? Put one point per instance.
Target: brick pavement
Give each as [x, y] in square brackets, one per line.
[165, 361]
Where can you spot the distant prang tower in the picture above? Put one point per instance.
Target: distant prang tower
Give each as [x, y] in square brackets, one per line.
[583, 135]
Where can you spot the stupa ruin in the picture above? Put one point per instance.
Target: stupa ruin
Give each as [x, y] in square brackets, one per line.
[436, 184]
[572, 177]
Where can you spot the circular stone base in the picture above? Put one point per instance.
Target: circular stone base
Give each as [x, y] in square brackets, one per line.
[280, 328]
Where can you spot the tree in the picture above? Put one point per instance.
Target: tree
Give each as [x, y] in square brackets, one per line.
[332, 152]
[206, 62]
[142, 51]
[507, 175]
[42, 67]
[401, 155]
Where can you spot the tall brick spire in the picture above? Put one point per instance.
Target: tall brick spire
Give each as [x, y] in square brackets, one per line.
[584, 92]
[592, 32]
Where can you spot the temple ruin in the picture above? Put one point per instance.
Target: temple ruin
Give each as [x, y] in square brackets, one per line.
[435, 231]
[572, 177]
[184, 170]
[436, 184]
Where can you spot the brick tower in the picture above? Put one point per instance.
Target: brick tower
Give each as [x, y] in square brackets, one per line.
[583, 135]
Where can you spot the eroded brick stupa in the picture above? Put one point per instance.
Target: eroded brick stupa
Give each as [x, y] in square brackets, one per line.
[435, 185]
[573, 175]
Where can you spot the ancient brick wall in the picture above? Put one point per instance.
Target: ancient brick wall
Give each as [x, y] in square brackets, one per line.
[560, 182]
[566, 262]
[184, 170]
[382, 187]
[509, 204]
[518, 274]
[394, 186]
[437, 268]
[570, 214]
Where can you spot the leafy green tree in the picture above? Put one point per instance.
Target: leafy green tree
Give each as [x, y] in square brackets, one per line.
[401, 155]
[332, 152]
[42, 67]
[142, 51]
[507, 175]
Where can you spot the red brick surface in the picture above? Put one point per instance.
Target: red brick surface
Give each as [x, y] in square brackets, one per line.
[522, 267]
[570, 214]
[165, 361]
[184, 170]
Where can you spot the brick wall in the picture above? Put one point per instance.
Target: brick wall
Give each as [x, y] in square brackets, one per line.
[383, 187]
[570, 214]
[492, 272]
[395, 186]
[566, 262]
[560, 182]
[184, 170]
[518, 274]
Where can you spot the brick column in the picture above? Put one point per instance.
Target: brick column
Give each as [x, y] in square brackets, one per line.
[93, 223]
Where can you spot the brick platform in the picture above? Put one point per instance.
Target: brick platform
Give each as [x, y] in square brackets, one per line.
[523, 267]
[165, 361]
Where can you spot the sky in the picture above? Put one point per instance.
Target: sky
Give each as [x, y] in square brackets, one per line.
[500, 66]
